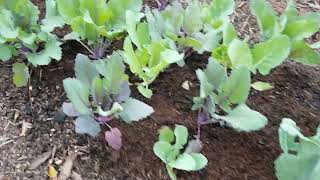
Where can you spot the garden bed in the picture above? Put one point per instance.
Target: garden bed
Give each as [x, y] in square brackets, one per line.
[231, 155]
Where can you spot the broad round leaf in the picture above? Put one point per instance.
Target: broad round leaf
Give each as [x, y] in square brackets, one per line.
[184, 162]
[85, 124]
[20, 74]
[135, 110]
[242, 118]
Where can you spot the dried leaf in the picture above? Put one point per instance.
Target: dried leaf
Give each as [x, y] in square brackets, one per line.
[52, 173]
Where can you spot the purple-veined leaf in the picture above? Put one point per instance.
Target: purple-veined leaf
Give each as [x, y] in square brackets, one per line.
[113, 137]
[103, 119]
[69, 110]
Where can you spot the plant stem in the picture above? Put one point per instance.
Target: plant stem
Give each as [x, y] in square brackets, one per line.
[170, 172]
[86, 47]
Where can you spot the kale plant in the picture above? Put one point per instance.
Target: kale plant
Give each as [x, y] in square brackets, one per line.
[300, 159]
[22, 33]
[100, 93]
[173, 150]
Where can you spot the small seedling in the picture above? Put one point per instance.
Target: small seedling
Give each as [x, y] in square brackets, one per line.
[172, 149]
[222, 98]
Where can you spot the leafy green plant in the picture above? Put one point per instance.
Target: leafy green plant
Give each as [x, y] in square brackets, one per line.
[21, 33]
[222, 98]
[173, 150]
[99, 93]
[300, 159]
[290, 24]
[150, 57]
[198, 25]
[97, 22]
[262, 57]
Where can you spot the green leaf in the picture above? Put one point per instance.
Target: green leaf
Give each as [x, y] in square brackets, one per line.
[304, 167]
[78, 94]
[181, 134]
[235, 89]
[52, 51]
[114, 73]
[85, 124]
[135, 110]
[85, 70]
[184, 162]
[291, 11]
[215, 73]
[132, 20]
[52, 19]
[6, 53]
[242, 118]
[303, 26]
[261, 86]
[205, 86]
[208, 40]
[303, 53]
[201, 161]
[239, 53]
[145, 91]
[97, 90]
[192, 17]
[219, 9]
[166, 134]
[68, 9]
[119, 9]
[171, 56]
[266, 17]
[270, 54]
[8, 28]
[315, 45]
[229, 33]
[20, 74]
[130, 57]
[162, 149]
[290, 127]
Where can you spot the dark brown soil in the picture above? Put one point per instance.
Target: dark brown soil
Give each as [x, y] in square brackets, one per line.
[231, 155]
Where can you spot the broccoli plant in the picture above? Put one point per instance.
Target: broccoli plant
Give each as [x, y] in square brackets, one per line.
[97, 22]
[295, 27]
[222, 98]
[301, 155]
[100, 93]
[22, 33]
[149, 58]
[173, 150]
